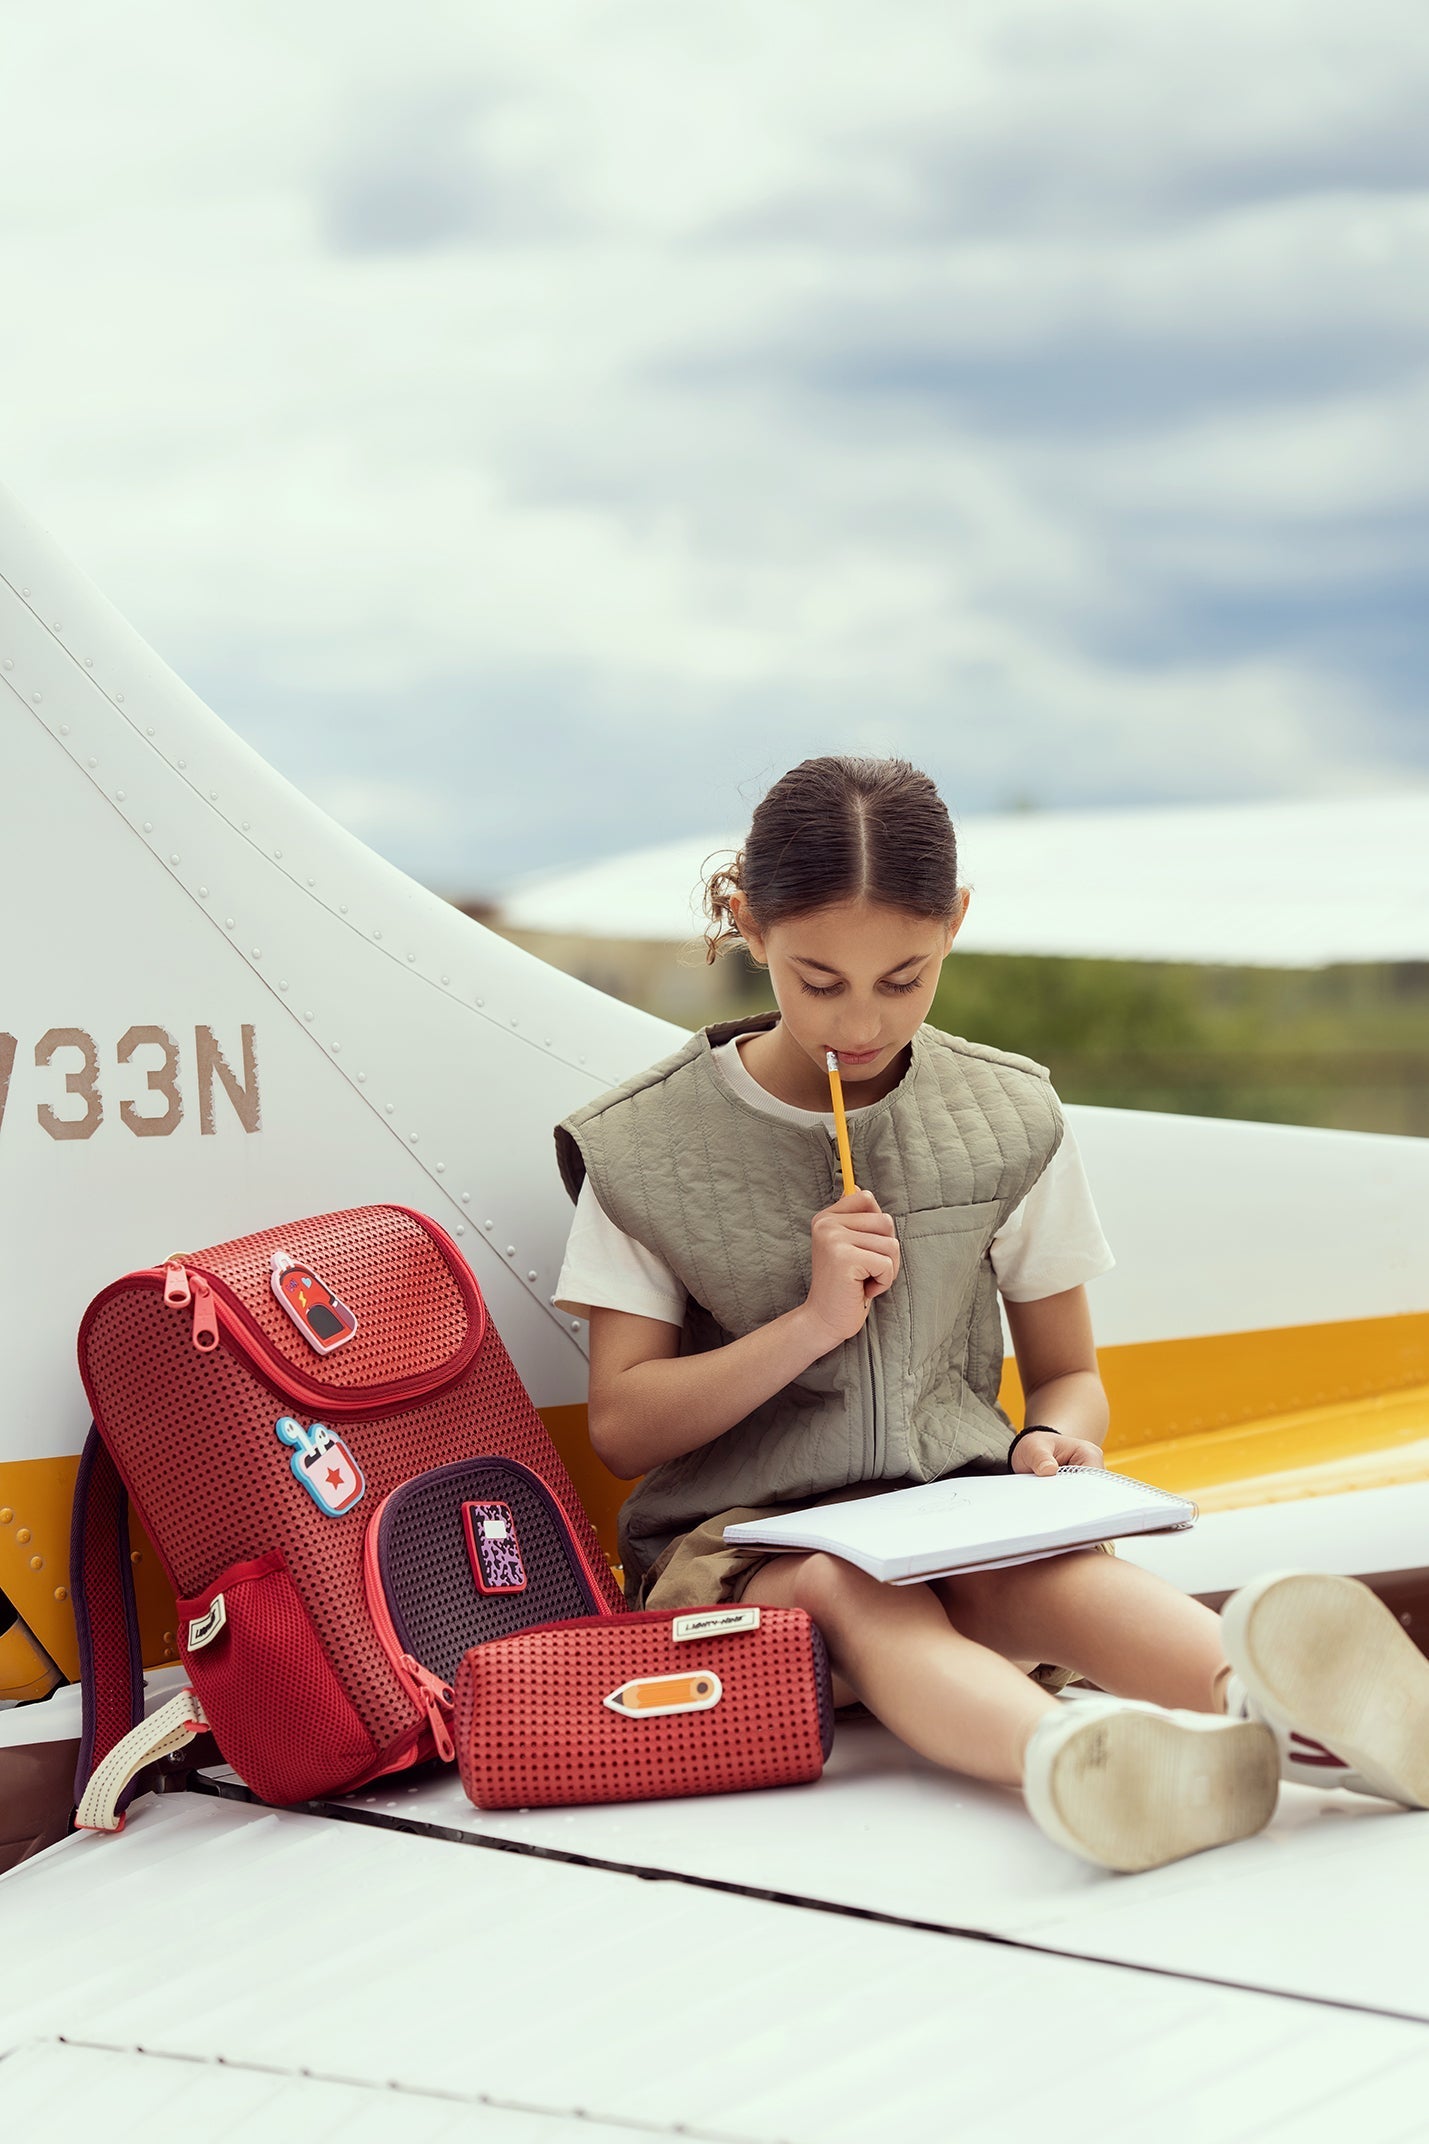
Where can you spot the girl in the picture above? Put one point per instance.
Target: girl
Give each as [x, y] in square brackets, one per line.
[758, 1341]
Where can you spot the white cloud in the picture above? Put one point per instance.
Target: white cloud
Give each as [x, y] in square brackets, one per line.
[716, 386]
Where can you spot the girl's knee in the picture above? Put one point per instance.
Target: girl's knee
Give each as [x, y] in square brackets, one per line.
[1023, 1580]
[838, 1597]
[830, 1590]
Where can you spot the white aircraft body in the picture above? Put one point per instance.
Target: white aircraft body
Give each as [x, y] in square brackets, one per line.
[1298, 883]
[219, 1012]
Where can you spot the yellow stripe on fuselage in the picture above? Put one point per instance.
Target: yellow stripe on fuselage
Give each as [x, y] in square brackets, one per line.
[1229, 1419]
[1261, 1417]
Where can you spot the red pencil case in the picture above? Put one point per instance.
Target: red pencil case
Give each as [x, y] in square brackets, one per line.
[626, 1708]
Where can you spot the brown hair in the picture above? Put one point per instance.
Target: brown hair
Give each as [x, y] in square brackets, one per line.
[838, 829]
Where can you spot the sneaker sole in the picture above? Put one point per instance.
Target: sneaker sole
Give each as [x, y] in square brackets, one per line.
[1331, 1660]
[1134, 1790]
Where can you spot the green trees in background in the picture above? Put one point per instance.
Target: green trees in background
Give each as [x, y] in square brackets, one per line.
[1343, 1047]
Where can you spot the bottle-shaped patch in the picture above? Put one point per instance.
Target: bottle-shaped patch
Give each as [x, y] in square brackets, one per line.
[323, 1464]
[322, 1318]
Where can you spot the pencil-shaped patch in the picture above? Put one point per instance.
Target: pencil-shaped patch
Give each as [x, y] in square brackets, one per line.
[650, 1695]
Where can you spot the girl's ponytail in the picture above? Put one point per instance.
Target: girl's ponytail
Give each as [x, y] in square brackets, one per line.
[839, 829]
[722, 932]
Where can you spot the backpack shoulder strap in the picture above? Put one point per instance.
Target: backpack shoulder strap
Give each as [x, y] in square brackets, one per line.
[102, 1590]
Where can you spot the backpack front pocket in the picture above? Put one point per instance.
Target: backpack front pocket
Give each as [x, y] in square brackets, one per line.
[275, 1705]
[468, 1552]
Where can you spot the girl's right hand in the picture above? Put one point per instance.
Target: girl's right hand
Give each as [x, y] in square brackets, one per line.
[855, 1259]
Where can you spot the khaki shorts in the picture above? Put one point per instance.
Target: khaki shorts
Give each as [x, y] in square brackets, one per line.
[702, 1570]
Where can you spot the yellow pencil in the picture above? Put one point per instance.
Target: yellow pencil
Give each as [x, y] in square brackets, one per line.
[836, 1087]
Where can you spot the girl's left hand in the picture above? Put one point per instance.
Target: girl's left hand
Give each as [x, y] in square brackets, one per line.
[1045, 1451]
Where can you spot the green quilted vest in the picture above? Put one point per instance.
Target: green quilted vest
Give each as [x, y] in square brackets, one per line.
[724, 1194]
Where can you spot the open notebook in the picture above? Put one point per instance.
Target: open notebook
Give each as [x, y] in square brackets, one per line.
[973, 1522]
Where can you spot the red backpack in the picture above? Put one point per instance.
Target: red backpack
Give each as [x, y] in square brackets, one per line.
[347, 1486]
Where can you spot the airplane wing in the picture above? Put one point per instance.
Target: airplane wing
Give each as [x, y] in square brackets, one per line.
[1279, 883]
[220, 1009]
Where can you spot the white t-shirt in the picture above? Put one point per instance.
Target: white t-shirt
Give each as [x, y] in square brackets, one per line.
[1051, 1242]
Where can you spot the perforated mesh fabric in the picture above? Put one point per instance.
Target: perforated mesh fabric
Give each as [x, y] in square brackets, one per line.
[282, 1718]
[437, 1608]
[532, 1728]
[411, 1318]
[193, 1436]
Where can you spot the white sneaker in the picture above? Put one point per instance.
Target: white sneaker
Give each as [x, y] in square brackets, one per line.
[1330, 1671]
[1130, 1787]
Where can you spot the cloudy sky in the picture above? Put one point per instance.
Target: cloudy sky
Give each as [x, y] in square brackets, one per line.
[534, 428]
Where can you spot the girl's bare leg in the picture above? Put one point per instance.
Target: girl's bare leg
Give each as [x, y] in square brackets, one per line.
[941, 1690]
[1110, 1621]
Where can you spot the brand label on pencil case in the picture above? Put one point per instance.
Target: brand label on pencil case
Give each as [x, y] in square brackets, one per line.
[713, 1623]
[205, 1628]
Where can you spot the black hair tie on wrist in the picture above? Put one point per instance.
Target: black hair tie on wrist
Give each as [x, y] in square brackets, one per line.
[1034, 1429]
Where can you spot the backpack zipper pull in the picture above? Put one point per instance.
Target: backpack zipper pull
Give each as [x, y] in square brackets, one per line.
[438, 1698]
[205, 1327]
[182, 1288]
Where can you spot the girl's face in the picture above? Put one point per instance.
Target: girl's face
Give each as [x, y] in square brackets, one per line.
[855, 977]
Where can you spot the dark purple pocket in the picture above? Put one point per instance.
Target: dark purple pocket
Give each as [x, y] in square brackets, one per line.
[428, 1558]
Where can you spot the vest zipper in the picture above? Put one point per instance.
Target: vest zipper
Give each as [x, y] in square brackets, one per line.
[877, 1428]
